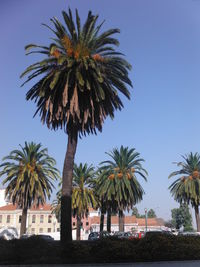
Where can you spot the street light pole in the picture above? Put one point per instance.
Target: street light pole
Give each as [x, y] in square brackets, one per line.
[145, 210]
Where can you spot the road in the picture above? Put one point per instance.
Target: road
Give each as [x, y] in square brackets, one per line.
[146, 264]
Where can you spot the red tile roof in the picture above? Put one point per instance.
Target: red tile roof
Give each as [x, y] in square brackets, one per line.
[150, 221]
[130, 220]
[45, 207]
[11, 207]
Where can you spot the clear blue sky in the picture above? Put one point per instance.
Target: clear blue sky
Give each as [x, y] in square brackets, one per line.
[161, 39]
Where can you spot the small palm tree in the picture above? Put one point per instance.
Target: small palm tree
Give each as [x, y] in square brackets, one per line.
[106, 205]
[186, 189]
[56, 206]
[83, 195]
[119, 183]
[29, 174]
[82, 76]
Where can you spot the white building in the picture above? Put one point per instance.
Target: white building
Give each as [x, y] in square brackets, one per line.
[3, 200]
[39, 219]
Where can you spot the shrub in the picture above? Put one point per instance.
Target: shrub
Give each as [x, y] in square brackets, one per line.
[150, 248]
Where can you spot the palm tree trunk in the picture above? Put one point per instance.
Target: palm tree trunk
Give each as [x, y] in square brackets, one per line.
[109, 220]
[66, 199]
[121, 221]
[101, 221]
[196, 208]
[23, 222]
[78, 229]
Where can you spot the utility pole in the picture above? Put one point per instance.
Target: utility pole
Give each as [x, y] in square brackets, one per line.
[145, 210]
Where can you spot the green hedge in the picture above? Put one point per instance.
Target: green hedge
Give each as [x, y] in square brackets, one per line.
[151, 248]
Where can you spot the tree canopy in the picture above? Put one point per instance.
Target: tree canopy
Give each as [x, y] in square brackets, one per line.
[81, 75]
[182, 217]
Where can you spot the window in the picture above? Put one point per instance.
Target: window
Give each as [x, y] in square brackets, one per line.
[41, 218]
[58, 229]
[49, 230]
[32, 231]
[74, 224]
[49, 219]
[0, 218]
[8, 219]
[33, 218]
[87, 223]
[20, 218]
[41, 230]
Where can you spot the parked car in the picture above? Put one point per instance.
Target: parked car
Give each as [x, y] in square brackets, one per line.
[167, 233]
[47, 238]
[25, 236]
[7, 235]
[93, 236]
[158, 232]
[123, 235]
[188, 234]
[104, 234]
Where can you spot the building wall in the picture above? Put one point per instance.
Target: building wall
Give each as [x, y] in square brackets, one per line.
[45, 222]
[42, 222]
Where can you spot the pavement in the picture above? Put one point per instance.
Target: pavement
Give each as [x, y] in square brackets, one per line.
[139, 264]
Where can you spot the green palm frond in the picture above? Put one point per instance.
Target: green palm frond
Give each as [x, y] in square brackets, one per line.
[117, 181]
[29, 175]
[81, 75]
[187, 187]
[83, 195]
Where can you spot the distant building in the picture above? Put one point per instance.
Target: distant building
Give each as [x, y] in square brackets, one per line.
[131, 223]
[39, 219]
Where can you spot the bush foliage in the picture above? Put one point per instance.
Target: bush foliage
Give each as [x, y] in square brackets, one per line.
[150, 248]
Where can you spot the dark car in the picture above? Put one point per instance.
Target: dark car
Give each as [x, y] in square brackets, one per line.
[155, 233]
[123, 235]
[104, 234]
[47, 238]
[189, 234]
[25, 236]
[93, 236]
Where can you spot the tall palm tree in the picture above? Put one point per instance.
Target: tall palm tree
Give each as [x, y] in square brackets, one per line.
[82, 75]
[83, 196]
[186, 189]
[119, 182]
[29, 174]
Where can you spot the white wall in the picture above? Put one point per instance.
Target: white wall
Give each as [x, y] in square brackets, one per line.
[3, 202]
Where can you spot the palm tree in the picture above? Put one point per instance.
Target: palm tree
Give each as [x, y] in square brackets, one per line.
[186, 189]
[29, 174]
[81, 76]
[119, 182]
[105, 204]
[56, 206]
[83, 195]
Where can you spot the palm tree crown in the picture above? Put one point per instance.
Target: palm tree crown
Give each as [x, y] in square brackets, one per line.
[83, 195]
[187, 187]
[29, 175]
[119, 181]
[82, 74]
